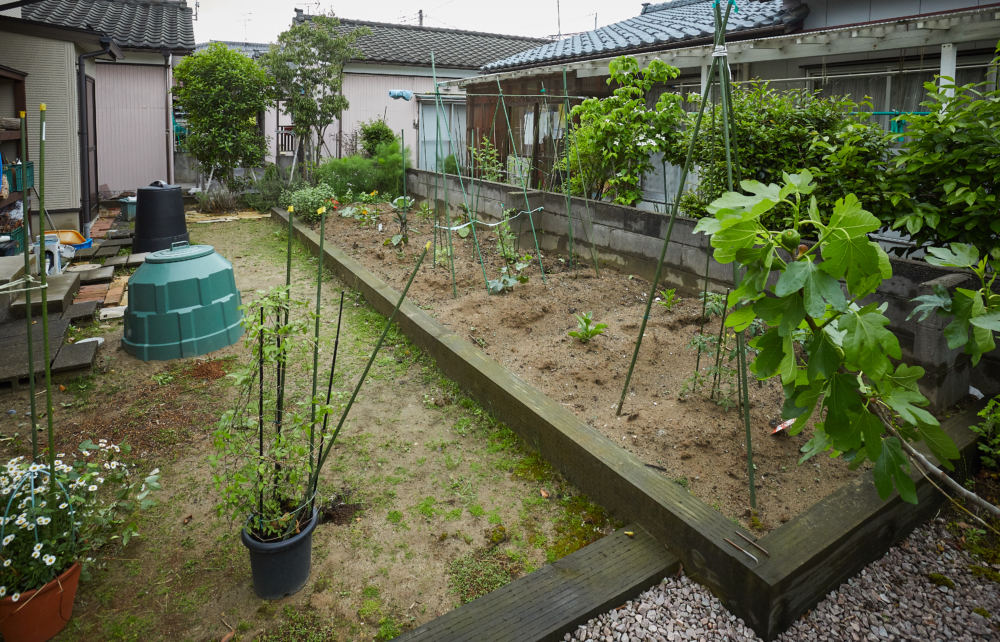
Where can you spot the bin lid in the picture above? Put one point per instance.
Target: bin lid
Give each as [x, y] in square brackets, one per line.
[180, 252]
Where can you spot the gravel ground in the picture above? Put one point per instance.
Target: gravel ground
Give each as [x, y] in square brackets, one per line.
[891, 599]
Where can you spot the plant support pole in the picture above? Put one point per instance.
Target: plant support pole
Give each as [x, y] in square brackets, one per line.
[354, 395]
[666, 240]
[44, 279]
[26, 240]
[319, 298]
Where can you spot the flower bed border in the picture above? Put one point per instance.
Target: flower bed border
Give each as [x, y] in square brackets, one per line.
[809, 556]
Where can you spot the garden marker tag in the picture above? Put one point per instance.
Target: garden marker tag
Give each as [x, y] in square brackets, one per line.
[782, 426]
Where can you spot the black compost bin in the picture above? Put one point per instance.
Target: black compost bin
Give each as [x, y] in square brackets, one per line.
[159, 218]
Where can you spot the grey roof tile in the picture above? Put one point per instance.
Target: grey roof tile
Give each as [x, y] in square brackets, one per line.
[133, 24]
[665, 24]
[412, 44]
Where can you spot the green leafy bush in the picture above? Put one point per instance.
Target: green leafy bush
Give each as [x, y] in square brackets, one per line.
[947, 176]
[989, 434]
[389, 167]
[611, 146]
[267, 192]
[374, 133]
[486, 157]
[783, 131]
[309, 199]
[450, 164]
[351, 173]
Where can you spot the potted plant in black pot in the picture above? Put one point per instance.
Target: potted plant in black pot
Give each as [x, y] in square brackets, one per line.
[270, 447]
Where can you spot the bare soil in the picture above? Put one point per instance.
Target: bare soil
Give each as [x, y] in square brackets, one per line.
[669, 423]
[422, 486]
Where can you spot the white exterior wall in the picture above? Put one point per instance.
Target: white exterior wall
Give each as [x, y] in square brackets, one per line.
[832, 13]
[133, 130]
[51, 69]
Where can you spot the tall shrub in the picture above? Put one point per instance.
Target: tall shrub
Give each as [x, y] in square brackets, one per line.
[778, 132]
[222, 92]
[947, 176]
[372, 134]
[611, 146]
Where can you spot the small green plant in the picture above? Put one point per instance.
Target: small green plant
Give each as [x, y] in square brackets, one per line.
[424, 211]
[163, 378]
[668, 298]
[400, 206]
[506, 240]
[510, 275]
[586, 329]
[308, 200]
[989, 433]
[487, 159]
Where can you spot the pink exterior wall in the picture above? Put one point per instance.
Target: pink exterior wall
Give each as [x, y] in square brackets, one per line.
[131, 126]
[369, 98]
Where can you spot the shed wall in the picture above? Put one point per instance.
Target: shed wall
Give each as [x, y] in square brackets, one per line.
[131, 125]
[51, 66]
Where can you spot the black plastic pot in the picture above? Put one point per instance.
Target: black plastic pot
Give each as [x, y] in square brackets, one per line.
[280, 568]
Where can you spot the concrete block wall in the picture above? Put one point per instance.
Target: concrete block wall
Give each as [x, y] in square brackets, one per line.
[631, 239]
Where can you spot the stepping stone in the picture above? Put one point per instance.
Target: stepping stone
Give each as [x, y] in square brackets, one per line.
[119, 242]
[137, 259]
[15, 367]
[119, 234]
[106, 251]
[83, 267]
[97, 275]
[73, 356]
[80, 311]
[17, 329]
[95, 293]
[86, 253]
[11, 268]
[116, 260]
[62, 287]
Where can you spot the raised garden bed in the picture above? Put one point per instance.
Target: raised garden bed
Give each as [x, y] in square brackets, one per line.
[809, 555]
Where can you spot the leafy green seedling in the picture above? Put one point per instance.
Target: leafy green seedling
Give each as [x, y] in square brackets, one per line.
[668, 298]
[586, 329]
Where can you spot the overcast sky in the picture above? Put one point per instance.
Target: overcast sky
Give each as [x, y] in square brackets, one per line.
[263, 20]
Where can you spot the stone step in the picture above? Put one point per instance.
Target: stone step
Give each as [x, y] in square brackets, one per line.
[61, 288]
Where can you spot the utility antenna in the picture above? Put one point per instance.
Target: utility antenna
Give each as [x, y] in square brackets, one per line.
[558, 20]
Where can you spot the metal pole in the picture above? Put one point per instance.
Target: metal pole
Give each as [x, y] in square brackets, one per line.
[26, 240]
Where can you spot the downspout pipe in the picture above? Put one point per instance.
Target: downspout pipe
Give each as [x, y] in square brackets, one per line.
[109, 49]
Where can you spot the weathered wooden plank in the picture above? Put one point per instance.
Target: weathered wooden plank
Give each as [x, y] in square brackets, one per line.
[554, 599]
[821, 548]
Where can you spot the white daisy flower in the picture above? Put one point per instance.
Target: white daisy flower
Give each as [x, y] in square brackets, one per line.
[35, 555]
[92, 488]
[38, 546]
[42, 521]
[15, 596]
[3, 591]
[49, 560]
[8, 539]
[6, 563]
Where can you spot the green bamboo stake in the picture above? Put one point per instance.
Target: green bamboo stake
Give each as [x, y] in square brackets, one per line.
[385, 330]
[666, 240]
[44, 284]
[569, 212]
[524, 183]
[725, 84]
[447, 216]
[319, 297]
[281, 367]
[402, 151]
[26, 235]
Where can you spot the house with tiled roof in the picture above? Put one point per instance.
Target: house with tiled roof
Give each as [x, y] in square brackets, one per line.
[104, 70]
[396, 56]
[882, 50]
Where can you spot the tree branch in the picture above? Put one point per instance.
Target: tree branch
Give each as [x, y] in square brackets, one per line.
[941, 476]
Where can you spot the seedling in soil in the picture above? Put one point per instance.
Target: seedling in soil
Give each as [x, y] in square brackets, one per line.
[668, 298]
[400, 206]
[586, 329]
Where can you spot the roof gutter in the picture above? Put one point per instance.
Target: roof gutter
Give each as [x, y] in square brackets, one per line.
[109, 49]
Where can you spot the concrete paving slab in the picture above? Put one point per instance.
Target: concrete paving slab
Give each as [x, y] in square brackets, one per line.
[115, 261]
[98, 275]
[81, 311]
[74, 356]
[61, 289]
[106, 251]
[137, 259]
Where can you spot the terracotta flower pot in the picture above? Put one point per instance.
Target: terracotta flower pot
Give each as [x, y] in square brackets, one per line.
[41, 613]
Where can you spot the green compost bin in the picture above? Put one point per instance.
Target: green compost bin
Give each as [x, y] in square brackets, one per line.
[182, 302]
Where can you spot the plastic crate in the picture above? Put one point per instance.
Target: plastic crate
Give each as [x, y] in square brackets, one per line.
[17, 234]
[15, 176]
[128, 207]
